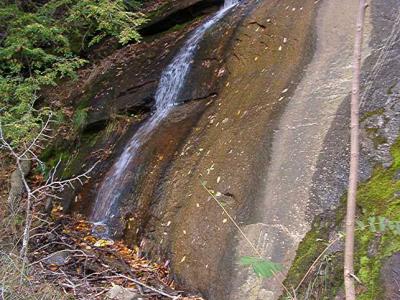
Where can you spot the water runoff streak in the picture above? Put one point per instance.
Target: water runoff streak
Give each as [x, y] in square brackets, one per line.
[171, 83]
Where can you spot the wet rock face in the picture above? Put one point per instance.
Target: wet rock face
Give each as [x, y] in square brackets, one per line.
[126, 81]
[208, 72]
[390, 276]
[228, 143]
[245, 70]
[128, 86]
[148, 167]
[121, 90]
[241, 68]
[116, 94]
[153, 164]
[175, 12]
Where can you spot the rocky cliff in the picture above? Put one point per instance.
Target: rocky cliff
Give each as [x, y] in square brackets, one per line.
[262, 123]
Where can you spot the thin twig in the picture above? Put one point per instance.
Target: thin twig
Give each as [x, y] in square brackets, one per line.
[146, 286]
[316, 261]
[246, 238]
[233, 221]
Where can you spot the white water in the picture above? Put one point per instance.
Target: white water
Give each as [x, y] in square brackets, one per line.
[230, 3]
[171, 83]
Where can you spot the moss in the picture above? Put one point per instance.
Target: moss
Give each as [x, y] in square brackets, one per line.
[160, 10]
[373, 133]
[51, 156]
[369, 114]
[376, 198]
[70, 157]
[178, 27]
[307, 252]
[309, 249]
[390, 89]
[80, 119]
[110, 128]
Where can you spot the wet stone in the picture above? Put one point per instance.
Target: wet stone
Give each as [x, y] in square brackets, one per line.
[120, 293]
[100, 230]
[58, 258]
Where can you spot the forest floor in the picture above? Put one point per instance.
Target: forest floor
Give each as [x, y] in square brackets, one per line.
[66, 261]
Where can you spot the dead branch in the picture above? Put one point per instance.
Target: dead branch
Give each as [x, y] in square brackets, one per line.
[40, 137]
[310, 269]
[147, 286]
[54, 185]
[49, 189]
[354, 156]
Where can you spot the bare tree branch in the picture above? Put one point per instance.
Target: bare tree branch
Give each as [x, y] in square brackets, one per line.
[41, 136]
[49, 189]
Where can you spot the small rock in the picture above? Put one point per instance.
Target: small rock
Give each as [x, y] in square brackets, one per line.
[120, 293]
[59, 258]
[265, 294]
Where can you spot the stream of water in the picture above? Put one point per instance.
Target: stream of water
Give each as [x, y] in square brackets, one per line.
[171, 83]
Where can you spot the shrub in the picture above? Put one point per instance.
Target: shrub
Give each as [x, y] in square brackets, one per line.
[38, 47]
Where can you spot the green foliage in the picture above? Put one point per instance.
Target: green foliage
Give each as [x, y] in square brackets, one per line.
[261, 267]
[80, 117]
[104, 17]
[380, 225]
[38, 48]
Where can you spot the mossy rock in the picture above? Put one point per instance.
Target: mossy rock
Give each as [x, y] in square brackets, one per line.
[376, 197]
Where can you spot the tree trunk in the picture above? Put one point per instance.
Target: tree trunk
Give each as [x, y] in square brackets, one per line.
[354, 148]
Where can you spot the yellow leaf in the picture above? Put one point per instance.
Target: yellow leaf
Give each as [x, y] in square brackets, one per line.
[103, 243]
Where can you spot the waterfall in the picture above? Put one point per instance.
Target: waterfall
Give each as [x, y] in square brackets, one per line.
[170, 85]
[230, 3]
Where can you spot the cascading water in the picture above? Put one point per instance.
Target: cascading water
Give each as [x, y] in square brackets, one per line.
[230, 3]
[171, 83]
